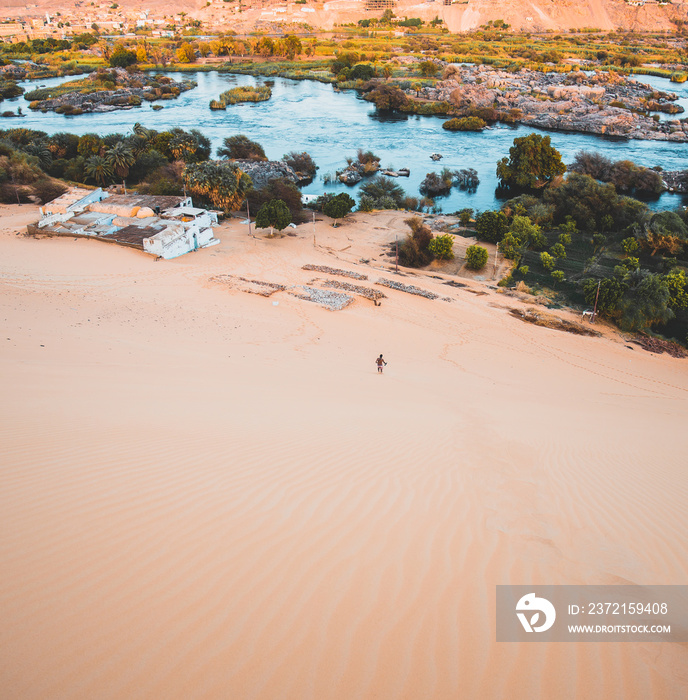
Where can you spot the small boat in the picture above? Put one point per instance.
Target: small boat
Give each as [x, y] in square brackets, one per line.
[436, 156]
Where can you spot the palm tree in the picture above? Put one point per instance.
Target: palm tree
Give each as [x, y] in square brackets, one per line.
[98, 169]
[120, 159]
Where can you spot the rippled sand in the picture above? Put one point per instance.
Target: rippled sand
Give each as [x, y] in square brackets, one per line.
[204, 495]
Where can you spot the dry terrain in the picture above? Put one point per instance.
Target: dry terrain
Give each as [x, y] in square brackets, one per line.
[209, 493]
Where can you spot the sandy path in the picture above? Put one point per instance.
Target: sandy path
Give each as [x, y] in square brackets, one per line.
[205, 495]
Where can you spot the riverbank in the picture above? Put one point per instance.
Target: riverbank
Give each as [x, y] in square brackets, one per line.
[207, 493]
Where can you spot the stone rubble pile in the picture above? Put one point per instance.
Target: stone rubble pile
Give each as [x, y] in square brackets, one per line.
[408, 288]
[335, 271]
[330, 300]
[264, 289]
[373, 294]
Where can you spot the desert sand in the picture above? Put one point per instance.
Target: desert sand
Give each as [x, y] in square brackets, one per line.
[205, 494]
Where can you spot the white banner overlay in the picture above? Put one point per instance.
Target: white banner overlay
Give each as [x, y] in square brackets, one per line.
[592, 613]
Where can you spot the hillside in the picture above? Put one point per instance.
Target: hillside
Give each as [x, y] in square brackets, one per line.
[524, 15]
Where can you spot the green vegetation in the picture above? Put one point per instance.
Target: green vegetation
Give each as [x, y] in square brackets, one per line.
[246, 93]
[339, 206]
[381, 193]
[274, 214]
[465, 124]
[224, 185]
[302, 163]
[240, 147]
[476, 257]
[491, 226]
[625, 175]
[414, 251]
[442, 247]
[572, 235]
[532, 163]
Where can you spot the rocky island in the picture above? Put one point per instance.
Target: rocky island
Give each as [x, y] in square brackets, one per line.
[598, 103]
[105, 90]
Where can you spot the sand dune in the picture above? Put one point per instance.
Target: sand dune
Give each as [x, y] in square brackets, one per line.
[206, 495]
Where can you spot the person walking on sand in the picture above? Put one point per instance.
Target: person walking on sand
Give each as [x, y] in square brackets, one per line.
[380, 364]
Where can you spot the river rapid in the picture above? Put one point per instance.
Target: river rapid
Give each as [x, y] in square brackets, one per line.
[331, 126]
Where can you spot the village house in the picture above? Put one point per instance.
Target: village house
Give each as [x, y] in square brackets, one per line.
[164, 226]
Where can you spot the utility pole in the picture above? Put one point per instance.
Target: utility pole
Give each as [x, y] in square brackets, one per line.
[396, 256]
[16, 191]
[314, 228]
[597, 296]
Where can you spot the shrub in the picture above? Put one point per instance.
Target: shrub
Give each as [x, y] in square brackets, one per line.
[240, 147]
[465, 216]
[384, 193]
[301, 163]
[413, 252]
[436, 185]
[476, 257]
[491, 226]
[442, 246]
[558, 250]
[548, 262]
[465, 124]
[47, 190]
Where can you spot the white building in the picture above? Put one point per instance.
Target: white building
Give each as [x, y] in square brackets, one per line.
[163, 226]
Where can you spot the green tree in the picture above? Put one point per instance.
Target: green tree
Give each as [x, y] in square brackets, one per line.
[609, 298]
[383, 190]
[558, 250]
[557, 275]
[442, 246]
[476, 257]
[98, 169]
[189, 146]
[465, 216]
[527, 233]
[274, 214]
[665, 231]
[338, 207]
[121, 57]
[548, 262]
[677, 282]
[533, 163]
[120, 159]
[224, 185]
[292, 46]
[629, 246]
[428, 68]
[90, 145]
[388, 97]
[491, 226]
[240, 147]
[186, 53]
[645, 302]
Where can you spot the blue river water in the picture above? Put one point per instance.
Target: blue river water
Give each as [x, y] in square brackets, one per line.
[331, 126]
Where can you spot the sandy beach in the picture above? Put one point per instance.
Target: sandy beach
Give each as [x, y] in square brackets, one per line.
[207, 493]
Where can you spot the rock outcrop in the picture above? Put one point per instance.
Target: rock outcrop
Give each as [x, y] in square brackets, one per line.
[599, 103]
[262, 171]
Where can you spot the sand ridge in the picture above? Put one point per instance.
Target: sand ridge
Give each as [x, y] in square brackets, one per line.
[205, 495]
